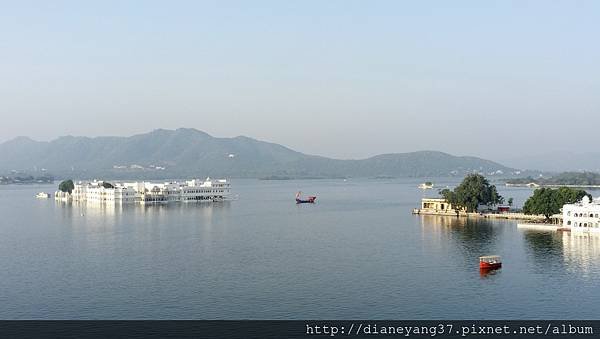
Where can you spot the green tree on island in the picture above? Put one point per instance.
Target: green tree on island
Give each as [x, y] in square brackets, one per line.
[547, 201]
[66, 186]
[474, 190]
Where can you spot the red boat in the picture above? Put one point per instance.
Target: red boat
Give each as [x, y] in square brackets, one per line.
[490, 262]
[309, 200]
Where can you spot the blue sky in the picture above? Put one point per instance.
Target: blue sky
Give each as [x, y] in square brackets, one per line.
[346, 79]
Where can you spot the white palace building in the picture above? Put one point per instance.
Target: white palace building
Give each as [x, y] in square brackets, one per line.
[148, 192]
[583, 216]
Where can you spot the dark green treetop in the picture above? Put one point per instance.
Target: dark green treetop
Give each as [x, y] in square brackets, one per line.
[548, 201]
[474, 190]
[66, 186]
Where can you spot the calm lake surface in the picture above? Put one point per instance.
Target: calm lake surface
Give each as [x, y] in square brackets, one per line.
[357, 253]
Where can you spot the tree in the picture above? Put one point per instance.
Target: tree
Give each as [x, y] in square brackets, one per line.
[547, 201]
[474, 190]
[66, 186]
[569, 195]
[107, 185]
[510, 202]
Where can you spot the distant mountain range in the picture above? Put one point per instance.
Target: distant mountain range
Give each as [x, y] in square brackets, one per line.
[189, 152]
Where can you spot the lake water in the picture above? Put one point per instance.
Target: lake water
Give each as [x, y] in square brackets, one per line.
[357, 253]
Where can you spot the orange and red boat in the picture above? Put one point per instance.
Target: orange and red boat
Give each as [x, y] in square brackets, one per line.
[490, 262]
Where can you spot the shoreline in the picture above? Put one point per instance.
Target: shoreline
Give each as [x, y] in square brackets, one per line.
[487, 215]
[551, 186]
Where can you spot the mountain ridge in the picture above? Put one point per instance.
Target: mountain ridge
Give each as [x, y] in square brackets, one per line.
[189, 152]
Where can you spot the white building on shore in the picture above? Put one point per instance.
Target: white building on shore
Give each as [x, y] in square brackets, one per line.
[148, 192]
[583, 216]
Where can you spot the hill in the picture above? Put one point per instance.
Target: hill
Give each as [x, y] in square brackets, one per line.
[190, 152]
[566, 178]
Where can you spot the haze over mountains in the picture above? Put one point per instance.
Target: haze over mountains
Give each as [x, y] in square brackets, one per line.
[557, 161]
[189, 152]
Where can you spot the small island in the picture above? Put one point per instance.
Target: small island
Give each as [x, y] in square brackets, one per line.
[144, 192]
[573, 179]
[25, 179]
[286, 177]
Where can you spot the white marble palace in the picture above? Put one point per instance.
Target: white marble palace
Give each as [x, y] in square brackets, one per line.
[583, 216]
[148, 192]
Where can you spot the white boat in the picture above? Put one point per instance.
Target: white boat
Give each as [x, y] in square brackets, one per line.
[426, 185]
[42, 195]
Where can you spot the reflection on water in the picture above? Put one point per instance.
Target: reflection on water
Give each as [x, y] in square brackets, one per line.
[93, 224]
[357, 253]
[581, 252]
[93, 210]
[576, 253]
[472, 237]
[543, 245]
[488, 272]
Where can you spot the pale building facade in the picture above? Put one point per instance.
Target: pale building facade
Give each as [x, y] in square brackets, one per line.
[436, 206]
[149, 192]
[583, 216]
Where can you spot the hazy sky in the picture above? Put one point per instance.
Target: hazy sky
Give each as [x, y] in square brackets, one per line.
[338, 78]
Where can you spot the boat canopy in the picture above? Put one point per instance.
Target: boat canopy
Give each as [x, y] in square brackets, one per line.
[490, 258]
